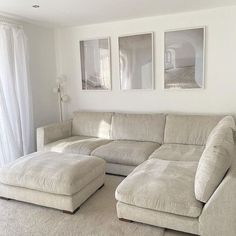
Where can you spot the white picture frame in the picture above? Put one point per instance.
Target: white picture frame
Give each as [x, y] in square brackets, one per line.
[129, 45]
[95, 64]
[184, 58]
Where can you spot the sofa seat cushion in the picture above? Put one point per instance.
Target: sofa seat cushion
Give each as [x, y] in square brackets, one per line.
[124, 152]
[52, 172]
[166, 186]
[178, 152]
[76, 144]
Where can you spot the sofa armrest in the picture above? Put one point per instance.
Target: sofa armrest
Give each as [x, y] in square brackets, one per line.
[219, 214]
[53, 132]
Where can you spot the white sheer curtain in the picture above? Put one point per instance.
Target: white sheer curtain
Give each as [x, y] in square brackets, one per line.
[16, 123]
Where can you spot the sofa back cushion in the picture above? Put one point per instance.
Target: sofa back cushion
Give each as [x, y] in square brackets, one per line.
[95, 124]
[215, 160]
[189, 129]
[138, 127]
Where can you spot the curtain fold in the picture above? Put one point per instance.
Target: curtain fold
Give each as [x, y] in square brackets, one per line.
[16, 118]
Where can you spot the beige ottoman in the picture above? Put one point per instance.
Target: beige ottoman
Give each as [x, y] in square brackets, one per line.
[56, 180]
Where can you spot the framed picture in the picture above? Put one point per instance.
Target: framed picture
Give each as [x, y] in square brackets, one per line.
[184, 59]
[136, 61]
[95, 60]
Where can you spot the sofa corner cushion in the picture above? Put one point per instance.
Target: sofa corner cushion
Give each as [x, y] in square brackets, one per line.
[139, 127]
[226, 123]
[189, 129]
[166, 186]
[126, 152]
[216, 160]
[94, 124]
[76, 144]
[52, 172]
[178, 152]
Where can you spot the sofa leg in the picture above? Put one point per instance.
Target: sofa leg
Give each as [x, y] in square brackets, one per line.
[4, 198]
[101, 186]
[71, 212]
[125, 220]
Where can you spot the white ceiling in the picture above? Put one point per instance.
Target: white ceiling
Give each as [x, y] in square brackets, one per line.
[83, 12]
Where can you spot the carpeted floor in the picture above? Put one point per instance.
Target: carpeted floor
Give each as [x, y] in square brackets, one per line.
[97, 216]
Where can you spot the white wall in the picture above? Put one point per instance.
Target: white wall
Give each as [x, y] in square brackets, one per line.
[219, 95]
[42, 73]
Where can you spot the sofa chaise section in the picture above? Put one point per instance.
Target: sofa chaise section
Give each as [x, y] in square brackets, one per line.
[161, 186]
[83, 134]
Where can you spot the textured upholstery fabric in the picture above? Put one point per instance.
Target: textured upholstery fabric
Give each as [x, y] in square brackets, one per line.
[125, 152]
[177, 233]
[157, 218]
[218, 215]
[94, 124]
[189, 129]
[160, 185]
[97, 217]
[76, 144]
[57, 201]
[219, 130]
[118, 169]
[178, 152]
[216, 159]
[52, 133]
[139, 127]
[52, 172]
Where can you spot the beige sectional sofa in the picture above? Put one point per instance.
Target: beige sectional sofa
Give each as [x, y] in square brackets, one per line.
[181, 168]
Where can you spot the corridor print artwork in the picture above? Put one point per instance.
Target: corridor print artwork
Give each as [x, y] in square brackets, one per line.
[136, 61]
[95, 64]
[184, 59]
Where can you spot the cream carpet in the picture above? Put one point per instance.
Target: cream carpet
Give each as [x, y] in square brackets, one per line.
[97, 216]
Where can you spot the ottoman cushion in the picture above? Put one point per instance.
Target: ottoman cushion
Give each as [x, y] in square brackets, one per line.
[53, 172]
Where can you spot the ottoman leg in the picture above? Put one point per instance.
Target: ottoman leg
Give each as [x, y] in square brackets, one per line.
[71, 212]
[125, 220]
